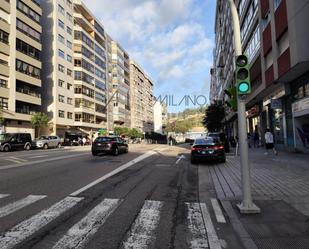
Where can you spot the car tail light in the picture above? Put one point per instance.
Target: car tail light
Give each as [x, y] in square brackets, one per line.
[195, 149]
[221, 147]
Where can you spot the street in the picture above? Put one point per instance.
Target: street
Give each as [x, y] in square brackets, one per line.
[61, 199]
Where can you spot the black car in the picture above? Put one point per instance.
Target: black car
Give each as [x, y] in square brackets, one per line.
[223, 139]
[109, 145]
[15, 141]
[209, 148]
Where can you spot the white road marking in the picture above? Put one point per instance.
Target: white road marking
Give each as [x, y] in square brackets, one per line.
[13, 160]
[79, 234]
[18, 159]
[3, 195]
[12, 207]
[41, 161]
[179, 158]
[23, 230]
[213, 240]
[38, 156]
[218, 212]
[114, 172]
[198, 238]
[142, 233]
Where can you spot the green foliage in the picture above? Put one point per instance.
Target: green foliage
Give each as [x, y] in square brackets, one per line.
[39, 120]
[180, 126]
[213, 117]
[132, 133]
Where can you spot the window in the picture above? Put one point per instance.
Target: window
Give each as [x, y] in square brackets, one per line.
[4, 103]
[60, 83]
[27, 30]
[61, 114]
[69, 86]
[70, 101]
[60, 24]
[4, 16]
[4, 37]
[69, 17]
[69, 3]
[3, 83]
[69, 58]
[61, 98]
[69, 44]
[61, 38]
[27, 49]
[61, 68]
[69, 72]
[69, 30]
[28, 11]
[70, 115]
[61, 9]
[28, 69]
[61, 53]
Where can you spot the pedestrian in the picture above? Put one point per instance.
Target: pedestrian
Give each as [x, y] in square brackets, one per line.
[269, 141]
[84, 141]
[170, 140]
[249, 139]
[256, 138]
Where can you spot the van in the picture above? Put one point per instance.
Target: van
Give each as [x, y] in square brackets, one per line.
[15, 141]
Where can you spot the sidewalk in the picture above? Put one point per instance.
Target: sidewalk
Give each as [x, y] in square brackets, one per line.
[280, 187]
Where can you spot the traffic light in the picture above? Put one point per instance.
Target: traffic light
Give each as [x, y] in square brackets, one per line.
[242, 75]
[232, 94]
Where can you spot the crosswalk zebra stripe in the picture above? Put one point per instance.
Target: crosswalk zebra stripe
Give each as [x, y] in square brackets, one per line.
[213, 240]
[28, 227]
[198, 236]
[3, 195]
[218, 212]
[79, 234]
[12, 207]
[141, 234]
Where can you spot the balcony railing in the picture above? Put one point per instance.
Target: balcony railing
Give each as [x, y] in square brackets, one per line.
[25, 111]
[28, 92]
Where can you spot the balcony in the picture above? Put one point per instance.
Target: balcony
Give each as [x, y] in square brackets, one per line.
[281, 19]
[267, 44]
[5, 5]
[284, 63]
[4, 69]
[28, 95]
[269, 75]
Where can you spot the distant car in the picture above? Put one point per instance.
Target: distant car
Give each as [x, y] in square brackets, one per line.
[206, 149]
[110, 145]
[46, 142]
[223, 139]
[15, 141]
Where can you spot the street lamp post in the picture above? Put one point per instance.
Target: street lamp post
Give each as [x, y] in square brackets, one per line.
[247, 205]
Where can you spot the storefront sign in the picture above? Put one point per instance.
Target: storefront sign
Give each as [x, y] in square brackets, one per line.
[253, 111]
[300, 105]
[275, 104]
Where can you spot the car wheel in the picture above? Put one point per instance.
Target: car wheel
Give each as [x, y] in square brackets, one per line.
[59, 146]
[94, 153]
[28, 147]
[116, 151]
[126, 150]
[45, 146]
[6, 148]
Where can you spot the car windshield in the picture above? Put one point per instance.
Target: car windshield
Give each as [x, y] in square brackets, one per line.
[206, 141]
[105, 139]
[43, 137]
[5, 136]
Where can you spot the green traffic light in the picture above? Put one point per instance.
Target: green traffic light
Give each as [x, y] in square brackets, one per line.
[243, 87]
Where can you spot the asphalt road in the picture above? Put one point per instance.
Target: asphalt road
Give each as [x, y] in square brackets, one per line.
[66, 198]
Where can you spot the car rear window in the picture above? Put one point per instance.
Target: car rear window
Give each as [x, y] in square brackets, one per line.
[105, 139]
[208, 140]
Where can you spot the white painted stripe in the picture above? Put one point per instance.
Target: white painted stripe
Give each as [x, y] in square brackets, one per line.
[18, 159]
[42, 161]
[142, 233]
[213, 240]
[12, 207]
[13, 160]
[3, 195]
[198, 236]
[23, 230]
[114, 172]
[79, 234]
[218, 212]
[38, 156]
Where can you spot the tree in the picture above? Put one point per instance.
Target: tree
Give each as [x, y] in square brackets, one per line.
[213, 117]
[39, 120]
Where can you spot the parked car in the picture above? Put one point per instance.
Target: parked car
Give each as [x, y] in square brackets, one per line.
[15, 141]
[45, 142]
[109, 145]
[209, 148]
[223, 139]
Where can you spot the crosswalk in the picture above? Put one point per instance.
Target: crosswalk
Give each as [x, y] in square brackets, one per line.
[141, 235]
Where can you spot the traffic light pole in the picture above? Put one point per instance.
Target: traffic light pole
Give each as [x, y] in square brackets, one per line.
[247, 205]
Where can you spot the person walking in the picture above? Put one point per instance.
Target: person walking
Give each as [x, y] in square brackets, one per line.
[170, 140]
[84, 141]
[269, 140]
[256, 138]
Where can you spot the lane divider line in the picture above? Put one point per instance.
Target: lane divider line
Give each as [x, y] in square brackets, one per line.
[218, 211]
[18, 159]
[4, 195]
[26, 228]
[17, 205]
[142, 233]
[80, 233]
[114, 172]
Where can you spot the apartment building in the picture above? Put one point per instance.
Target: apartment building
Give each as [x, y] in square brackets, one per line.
[273, 37]
[111, 94]
[57, 72]
[121, 85]
[20, 63]
[142, 100]
[90, 70]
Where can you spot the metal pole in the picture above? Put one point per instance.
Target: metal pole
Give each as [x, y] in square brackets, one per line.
[246, 206]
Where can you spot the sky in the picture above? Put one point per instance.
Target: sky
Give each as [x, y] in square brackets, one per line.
[172, 40]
